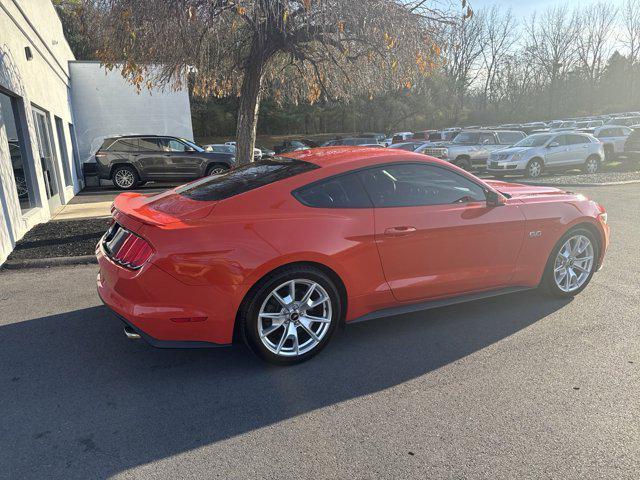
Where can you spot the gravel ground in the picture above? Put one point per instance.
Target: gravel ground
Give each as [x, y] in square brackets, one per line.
[60, 238]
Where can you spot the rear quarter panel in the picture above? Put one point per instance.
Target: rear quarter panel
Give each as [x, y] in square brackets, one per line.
[238, 245]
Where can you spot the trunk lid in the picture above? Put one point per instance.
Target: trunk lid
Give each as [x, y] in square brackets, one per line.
[162, 209]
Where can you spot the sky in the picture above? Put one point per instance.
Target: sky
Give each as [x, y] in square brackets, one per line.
[524, 8]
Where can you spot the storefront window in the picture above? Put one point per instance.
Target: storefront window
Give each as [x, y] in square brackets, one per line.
[10, 132]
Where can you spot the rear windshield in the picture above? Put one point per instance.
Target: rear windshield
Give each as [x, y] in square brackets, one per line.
[244, 178]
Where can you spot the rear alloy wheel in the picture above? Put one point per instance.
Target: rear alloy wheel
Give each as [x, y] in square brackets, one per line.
[216, 170]
[292, 316]
[571, 264]
[534, 168]
[592, 165]
[125, 178]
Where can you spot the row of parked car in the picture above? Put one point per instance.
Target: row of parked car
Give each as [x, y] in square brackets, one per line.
[530, 149]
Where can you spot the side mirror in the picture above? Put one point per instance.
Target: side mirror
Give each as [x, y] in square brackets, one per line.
[494, 199]
[485, 141]
[553, 145]
[190, 149]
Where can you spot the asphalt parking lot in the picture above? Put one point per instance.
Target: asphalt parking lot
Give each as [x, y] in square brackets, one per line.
[520, 386]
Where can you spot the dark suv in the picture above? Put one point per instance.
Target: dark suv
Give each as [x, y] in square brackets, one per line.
[632, 144]
[131, 160]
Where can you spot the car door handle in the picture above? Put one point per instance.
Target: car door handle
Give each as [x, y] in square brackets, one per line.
[399, 231]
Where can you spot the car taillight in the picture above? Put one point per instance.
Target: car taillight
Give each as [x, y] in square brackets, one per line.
[133, 252]
[125, 248]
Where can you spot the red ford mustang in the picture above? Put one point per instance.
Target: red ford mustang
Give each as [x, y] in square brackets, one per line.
[281, 251]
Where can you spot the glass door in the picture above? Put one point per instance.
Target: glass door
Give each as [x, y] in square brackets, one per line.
[47, 159]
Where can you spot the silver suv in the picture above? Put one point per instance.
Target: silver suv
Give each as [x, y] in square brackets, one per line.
[471, 148]
[546, 152]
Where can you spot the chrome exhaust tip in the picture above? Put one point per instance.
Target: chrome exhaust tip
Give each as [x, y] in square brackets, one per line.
[131, 333]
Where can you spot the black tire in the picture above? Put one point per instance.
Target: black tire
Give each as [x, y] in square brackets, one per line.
[216, 169]
[535, 167]
[609, 153]
[591, 165]
[250, 309]
[548, 283]
[463, 163]
[125, 177]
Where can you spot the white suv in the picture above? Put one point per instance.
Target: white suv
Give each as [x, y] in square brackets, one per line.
[548, 152]
[613, 137]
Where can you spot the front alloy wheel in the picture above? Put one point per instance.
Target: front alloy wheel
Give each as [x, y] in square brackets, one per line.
[573, 263]
[291, 315]
[534, 169]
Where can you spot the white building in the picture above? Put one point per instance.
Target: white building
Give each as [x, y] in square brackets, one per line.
[54, 111]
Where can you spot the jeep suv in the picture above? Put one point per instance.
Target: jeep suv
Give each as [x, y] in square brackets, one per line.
[471, 148]
[131, 160]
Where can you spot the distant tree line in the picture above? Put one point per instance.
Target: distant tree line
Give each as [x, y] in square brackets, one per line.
[492, 67]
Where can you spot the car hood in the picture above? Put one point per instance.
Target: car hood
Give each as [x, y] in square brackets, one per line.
[162, 209]
[520, 191]
[512, 150]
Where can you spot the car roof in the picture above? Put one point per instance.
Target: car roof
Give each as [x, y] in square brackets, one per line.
[343, 155]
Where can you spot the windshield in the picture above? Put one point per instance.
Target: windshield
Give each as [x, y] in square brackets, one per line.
[534, 141]
[195, 146]
[244, 178]
[472, 138]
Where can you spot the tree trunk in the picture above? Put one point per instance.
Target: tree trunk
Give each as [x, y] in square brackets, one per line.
[248, 110]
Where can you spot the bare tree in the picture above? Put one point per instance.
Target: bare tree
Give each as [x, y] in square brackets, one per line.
[500, 35]
[630, 11]
[593, 46]
[551, 47]
[295, 49]
[464, 48]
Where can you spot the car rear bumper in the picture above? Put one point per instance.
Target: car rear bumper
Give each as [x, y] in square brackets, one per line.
[164, 311]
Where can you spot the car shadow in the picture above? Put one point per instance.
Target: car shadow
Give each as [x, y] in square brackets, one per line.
[80, 400]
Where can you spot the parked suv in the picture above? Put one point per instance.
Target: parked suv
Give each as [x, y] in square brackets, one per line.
[613, 138]
[131, 160]
[548, 151]
[471, 148]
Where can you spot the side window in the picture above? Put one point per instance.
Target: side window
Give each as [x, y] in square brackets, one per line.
[171, 145]
[343, 191]
[487, 139]
[148, 144]
[124, 145]
[510, 138]
[577, 139]
[606, 132]
[561, 140]
[416, 184]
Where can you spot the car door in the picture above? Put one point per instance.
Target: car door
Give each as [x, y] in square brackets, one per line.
[150, 159]
[488, 143]
[578, 148]
[557, 153]
[181, 160]
[435, 233]
[619, 137]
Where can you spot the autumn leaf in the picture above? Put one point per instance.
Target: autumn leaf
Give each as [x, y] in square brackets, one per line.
[241, 10]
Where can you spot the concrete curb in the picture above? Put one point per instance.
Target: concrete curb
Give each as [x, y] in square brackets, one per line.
[558, 185]
[48, 262]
